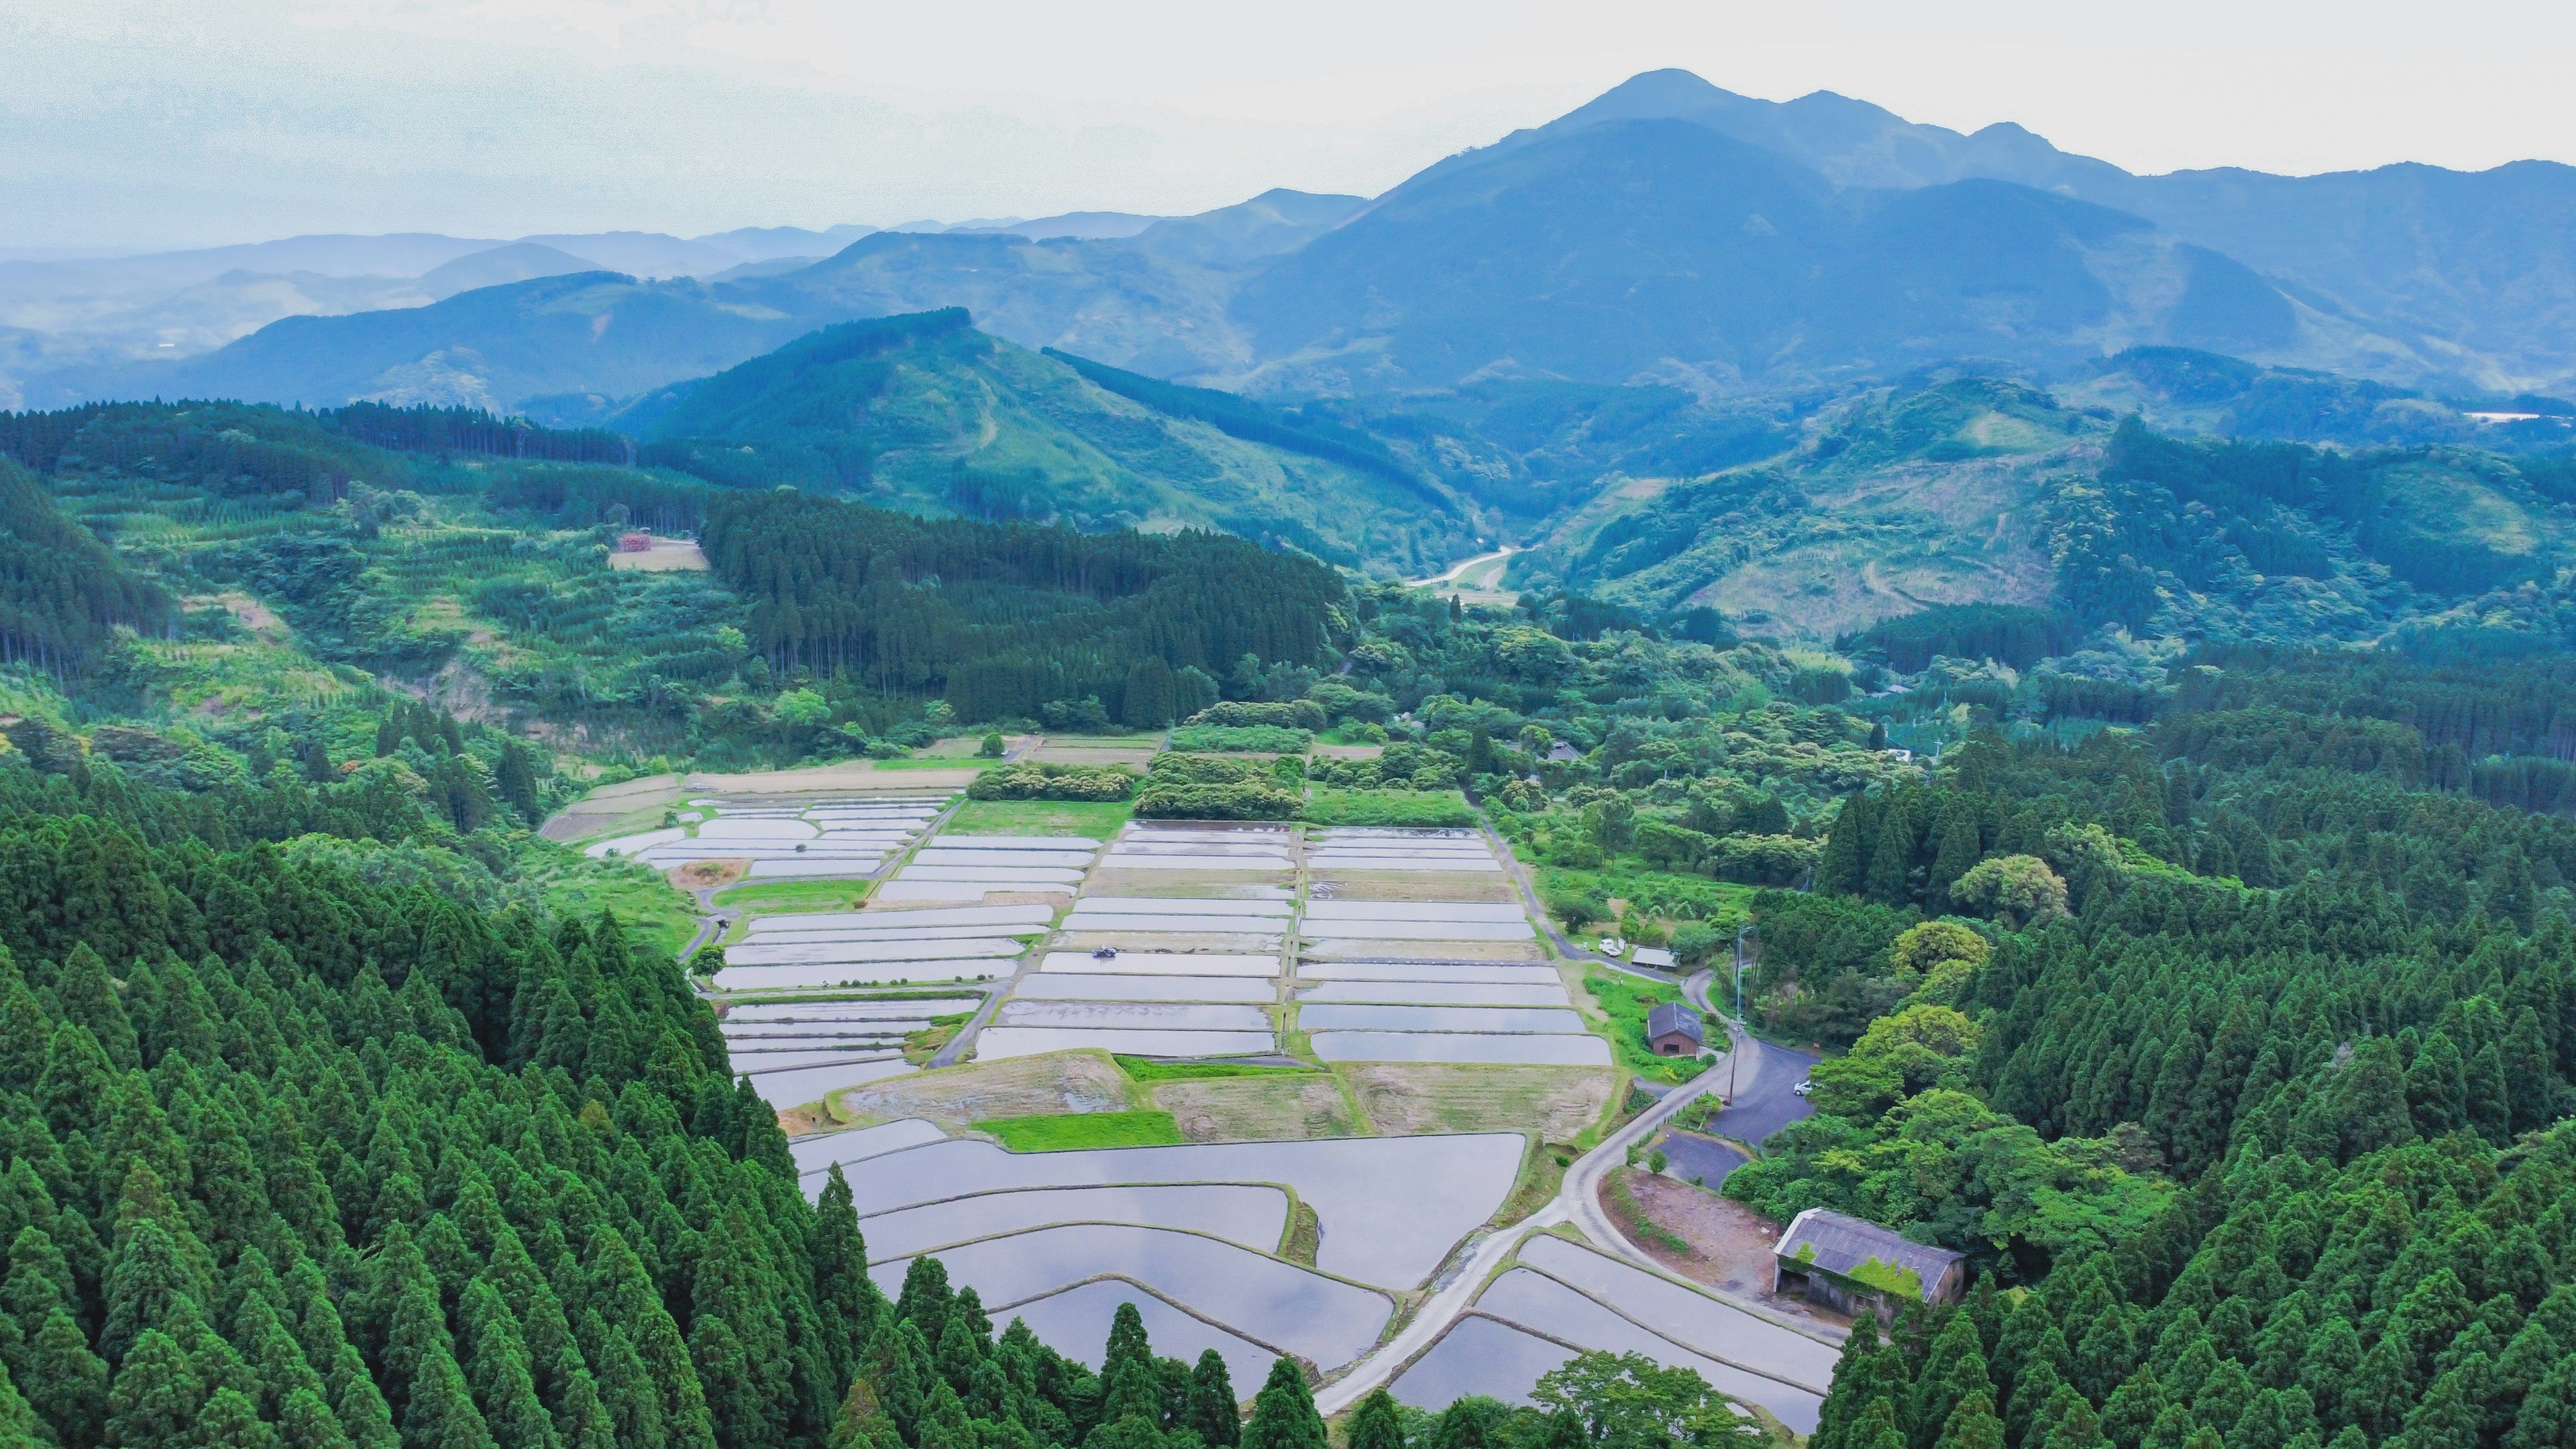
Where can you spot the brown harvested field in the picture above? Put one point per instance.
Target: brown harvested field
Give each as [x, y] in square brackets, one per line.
[1137, 756]
[1383, 885]
[667, 555]
[955, 1097]
[966, 747]
[1730, 1244]
[1350, 752]
[1557, 1103]
[699, 875]
[622, 808]
[1268, 1108]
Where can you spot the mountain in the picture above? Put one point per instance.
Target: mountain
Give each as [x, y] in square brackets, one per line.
[1954, 489]
[1082, 225]
[2473, 274]
[1646, 247]
[1669, 231]
[517, 262]
[924, 413]
[488, 348]
[1848, 142]
[81, 321]
[1153, 300]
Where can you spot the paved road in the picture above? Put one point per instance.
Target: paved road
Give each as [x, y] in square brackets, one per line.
[1764, 1102]
[1454, 570]
[1763, 1095]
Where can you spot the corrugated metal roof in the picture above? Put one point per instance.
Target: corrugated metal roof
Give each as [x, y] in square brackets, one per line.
[1840, 1245]
[1673, 1016]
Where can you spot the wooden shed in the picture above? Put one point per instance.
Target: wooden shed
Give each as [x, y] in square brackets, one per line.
[1850, 1265]
[1673, 1030]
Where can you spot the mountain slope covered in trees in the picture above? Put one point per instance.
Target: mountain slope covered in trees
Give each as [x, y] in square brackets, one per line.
[1978, 490]
[923, 412]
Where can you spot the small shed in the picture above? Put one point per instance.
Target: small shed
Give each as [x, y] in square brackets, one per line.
[1850, 1265]
[1673, 1030]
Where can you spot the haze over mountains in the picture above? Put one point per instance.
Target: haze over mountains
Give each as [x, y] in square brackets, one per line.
[1668, 230]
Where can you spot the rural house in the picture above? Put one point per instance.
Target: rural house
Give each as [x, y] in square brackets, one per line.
[1849, 1265]
[1673, 1030]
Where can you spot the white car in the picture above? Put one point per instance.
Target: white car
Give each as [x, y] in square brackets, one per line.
[1804, 1086]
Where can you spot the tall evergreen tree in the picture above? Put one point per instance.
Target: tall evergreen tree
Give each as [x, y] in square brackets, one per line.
[1283, 1413]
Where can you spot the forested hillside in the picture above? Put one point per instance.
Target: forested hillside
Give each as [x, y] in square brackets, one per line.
[1972, 490]
[2245, 1039]
[329, 1163]
[926, 414]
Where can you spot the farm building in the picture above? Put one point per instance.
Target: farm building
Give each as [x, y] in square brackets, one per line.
[1849, 1265]
[1673, 1030]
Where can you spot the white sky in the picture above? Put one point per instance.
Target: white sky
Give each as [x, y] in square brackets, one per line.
[144, 124]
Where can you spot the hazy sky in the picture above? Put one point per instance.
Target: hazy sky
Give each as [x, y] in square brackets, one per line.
[142, 124]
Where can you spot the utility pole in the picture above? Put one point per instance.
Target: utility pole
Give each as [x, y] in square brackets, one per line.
[1733, 1051]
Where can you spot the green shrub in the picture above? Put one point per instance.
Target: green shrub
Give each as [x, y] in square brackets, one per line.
[1295, 714]
[1210, 770]
[1030, 780]
[1577, 911]
[1241, 739]
[1166, 799]
[1423, 809]
[1696, 943]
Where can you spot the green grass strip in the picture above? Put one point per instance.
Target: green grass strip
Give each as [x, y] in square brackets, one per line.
[1076, 1131]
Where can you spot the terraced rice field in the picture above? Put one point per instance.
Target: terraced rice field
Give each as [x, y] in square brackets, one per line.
[1391, 1207]
[796, 1051]
[1384, 976]
[836, 838]
[969, 867]
[1562, 1297]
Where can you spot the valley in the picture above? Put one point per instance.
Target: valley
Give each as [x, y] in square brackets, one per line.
[1725, 773]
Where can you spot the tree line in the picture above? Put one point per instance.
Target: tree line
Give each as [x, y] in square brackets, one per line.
[1001, 618]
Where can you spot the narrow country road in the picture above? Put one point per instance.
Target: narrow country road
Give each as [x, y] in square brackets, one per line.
[1762, 1086]
[1454, 570]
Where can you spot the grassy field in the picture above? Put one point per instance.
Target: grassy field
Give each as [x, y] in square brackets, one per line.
[1078, 1131]
[769, 898]
[1329, 806]
[1095, 819]
[644, 903]
[1145, 1069]
[1665, 895]
[1626, 1000]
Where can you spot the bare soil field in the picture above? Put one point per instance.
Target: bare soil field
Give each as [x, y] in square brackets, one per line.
[1265, 1108]
[667, 555]
[626, 806]
[1555, 1102]
[954, 1097]
[1729, 1244]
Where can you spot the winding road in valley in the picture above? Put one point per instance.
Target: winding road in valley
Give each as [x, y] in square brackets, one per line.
[1456, 570]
